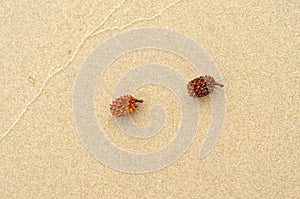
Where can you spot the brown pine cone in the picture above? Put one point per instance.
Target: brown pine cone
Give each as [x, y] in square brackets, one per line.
[124, 105]
[202, 86]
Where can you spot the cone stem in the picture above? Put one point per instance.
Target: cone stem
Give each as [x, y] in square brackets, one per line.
[140, 101]
[219, 84]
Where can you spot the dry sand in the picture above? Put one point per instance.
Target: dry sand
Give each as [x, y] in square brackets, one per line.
[255, 46]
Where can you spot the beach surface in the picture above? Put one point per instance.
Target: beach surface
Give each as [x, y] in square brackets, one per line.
[254, 46]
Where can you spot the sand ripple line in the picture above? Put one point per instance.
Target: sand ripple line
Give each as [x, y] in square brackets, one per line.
[138, 20]
[59, 70]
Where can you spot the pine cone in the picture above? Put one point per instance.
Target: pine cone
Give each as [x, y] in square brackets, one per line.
[202, 86]
[124, 105]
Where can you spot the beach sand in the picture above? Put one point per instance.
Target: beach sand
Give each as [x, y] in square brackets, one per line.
[255, 47]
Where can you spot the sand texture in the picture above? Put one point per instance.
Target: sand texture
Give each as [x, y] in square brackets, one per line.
[255, 47]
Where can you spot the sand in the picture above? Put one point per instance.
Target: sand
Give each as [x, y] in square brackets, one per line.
[254, 46]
